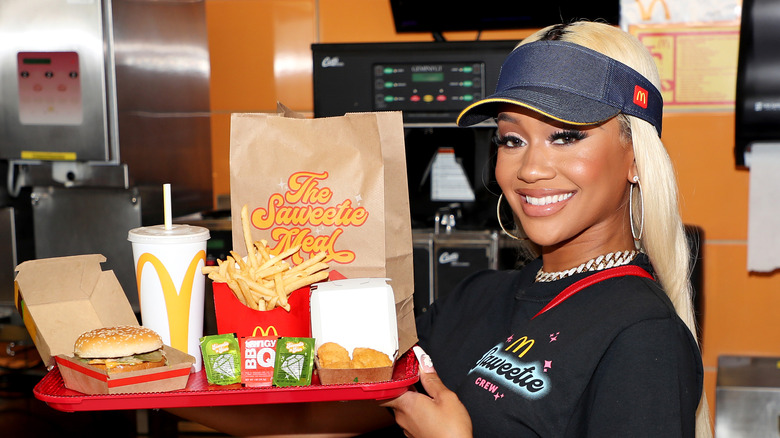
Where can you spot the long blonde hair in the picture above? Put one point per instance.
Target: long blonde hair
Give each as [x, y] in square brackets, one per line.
[663, 238]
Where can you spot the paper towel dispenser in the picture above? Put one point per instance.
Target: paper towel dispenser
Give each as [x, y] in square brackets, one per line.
[757, 108]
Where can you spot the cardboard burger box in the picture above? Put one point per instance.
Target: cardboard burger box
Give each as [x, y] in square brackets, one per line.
[355, 312]
[60, 298]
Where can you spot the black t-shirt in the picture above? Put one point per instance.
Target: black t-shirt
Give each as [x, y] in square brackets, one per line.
[613, 360]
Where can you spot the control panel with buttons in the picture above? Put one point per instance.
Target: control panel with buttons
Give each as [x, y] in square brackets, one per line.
[427, 87]
[49, 88]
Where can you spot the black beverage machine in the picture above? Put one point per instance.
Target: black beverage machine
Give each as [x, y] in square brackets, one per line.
[452, 190]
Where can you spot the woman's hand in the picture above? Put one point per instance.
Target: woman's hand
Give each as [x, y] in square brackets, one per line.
[437, 414]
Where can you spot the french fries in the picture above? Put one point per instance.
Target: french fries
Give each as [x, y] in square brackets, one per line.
[262, 281]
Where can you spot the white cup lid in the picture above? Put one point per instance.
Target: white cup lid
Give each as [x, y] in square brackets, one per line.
[178, 233]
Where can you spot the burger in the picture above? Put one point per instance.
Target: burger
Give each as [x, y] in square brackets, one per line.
[121, 349]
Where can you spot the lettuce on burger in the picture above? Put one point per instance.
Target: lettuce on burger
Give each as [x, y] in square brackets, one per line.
[121, 349]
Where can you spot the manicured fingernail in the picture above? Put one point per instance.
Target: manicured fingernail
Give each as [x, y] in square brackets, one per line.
[426, 364]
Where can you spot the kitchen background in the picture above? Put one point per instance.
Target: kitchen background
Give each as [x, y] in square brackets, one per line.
[261, 53]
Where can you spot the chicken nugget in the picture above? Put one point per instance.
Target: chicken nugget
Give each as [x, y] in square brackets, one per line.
[333, 355]
[369, 358]
[344, 364]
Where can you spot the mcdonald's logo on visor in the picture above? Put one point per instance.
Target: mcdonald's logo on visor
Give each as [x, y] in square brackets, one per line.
[640, 96]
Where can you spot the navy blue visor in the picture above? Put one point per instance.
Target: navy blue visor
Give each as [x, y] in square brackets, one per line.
[569, 83]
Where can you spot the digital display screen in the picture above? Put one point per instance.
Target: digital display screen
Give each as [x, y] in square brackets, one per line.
[36, 61]
[432, 87]
[428, 77]
[214, 243]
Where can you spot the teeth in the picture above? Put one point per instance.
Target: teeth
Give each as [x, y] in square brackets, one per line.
[547, 200]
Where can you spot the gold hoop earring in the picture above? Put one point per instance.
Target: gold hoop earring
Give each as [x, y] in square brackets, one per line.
[631, 209]
[498, 216]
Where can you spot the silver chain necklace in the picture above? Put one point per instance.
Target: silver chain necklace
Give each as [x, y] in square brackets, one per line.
[617, 258]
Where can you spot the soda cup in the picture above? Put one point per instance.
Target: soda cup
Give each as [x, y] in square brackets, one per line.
[168, 265]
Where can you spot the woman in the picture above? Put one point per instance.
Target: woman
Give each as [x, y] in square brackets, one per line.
[581, 164]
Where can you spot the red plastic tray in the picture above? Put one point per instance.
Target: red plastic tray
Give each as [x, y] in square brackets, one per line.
[199, 393]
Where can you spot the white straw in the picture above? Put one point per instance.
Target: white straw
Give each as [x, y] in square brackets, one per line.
[167, 205]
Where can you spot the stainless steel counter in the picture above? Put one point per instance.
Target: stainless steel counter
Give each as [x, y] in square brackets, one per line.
[748, 397]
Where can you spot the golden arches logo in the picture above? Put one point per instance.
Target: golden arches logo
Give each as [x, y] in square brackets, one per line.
[640, 96]
[520, 343]
[177, 304]
[265, 332]
[647, 12]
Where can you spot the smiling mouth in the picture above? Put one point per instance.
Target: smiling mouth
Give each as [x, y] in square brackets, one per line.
[547, 200]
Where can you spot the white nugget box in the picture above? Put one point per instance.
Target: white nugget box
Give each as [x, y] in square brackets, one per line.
[355, 312]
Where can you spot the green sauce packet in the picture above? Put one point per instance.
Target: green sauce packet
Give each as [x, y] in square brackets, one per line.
[221, 359]
[294, 361]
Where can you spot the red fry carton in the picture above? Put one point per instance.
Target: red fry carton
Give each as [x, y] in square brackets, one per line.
[258, 354]
[235, 317]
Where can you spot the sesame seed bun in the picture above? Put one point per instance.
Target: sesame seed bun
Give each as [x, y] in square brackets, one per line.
[117, 341]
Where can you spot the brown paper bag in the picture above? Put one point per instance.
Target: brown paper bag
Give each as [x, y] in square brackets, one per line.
[335, 184]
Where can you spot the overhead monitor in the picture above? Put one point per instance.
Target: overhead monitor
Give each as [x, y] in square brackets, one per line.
[445, 15]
